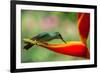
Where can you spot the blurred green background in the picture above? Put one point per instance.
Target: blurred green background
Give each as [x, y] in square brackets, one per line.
[35, 22]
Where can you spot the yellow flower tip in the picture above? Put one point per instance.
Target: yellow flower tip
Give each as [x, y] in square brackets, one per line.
[75, 42]
[71, 43]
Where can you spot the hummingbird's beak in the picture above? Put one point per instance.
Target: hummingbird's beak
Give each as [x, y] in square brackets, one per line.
[62, 39]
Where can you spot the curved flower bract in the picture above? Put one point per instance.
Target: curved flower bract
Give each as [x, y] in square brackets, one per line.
[74, 48]
[83, 26]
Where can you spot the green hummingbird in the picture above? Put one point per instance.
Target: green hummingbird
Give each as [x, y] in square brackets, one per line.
[45, 37]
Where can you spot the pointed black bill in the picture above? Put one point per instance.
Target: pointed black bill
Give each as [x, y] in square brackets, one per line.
[62, 39]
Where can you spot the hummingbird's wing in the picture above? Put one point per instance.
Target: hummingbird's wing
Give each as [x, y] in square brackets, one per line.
[43, 37]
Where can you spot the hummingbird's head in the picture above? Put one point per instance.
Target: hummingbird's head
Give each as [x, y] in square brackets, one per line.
[57, 34]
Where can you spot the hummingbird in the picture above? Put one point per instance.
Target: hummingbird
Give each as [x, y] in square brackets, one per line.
[44, 37]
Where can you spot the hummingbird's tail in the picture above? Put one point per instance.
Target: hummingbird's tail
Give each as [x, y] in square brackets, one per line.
[29, 45]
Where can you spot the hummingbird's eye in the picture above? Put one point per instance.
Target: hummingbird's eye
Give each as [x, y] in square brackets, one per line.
[57, 32]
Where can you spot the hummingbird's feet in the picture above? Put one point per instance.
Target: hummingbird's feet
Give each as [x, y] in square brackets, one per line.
[35, 42]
